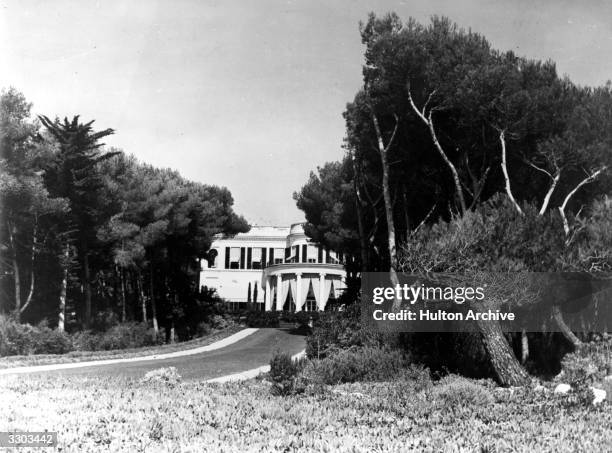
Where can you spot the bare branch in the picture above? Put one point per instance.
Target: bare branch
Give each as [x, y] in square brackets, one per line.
[586, 180]
[428, 100]
[448, 162]
[551, 189]
[32, 260]
[504, 166]
[416, 109]
[390, 142]
[379, 137]
[531, 164]
[467, 189]
[424, 219]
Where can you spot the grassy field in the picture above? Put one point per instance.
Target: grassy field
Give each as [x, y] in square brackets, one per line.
[82, 356]
[117, 414]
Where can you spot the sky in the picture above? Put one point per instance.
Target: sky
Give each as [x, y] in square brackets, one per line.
[249, 94]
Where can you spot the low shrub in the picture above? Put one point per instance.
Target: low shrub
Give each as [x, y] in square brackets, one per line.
[334, 331]
[274, 318]
[85, 340]
[456, 391]
[121, 336]
[203, 329]
[584, 368]
[357, 364]
[25, 339]
[417, 376]
[168, 376]
[51, 341]
[15, 338]
[263, 319]
[303, 318]
[589, 364]
[221, 321]
[283, 373]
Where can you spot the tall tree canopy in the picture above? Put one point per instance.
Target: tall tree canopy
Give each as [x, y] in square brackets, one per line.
[443, 126]
[462, 122]
[92, 231]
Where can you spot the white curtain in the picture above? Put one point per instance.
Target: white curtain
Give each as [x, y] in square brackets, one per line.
[293, 285]
[305, 288]
[326, 288]
[283, 293]
[316, 289]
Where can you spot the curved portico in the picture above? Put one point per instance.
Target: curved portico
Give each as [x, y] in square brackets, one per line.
[296, 281]
[281, 263]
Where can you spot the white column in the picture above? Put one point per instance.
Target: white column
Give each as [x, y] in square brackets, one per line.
[268, 296]
[321, 290]
[298, 290]
[279, 292]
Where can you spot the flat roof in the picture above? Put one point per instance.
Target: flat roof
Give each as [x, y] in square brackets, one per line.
[259, 231]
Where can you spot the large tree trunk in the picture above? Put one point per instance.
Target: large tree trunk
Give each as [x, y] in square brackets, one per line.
[12, 232]
[153, 307]
[388, 204]
[122, 281]
[86, 283]
[172, 333]
[507, 368]
[32, 260]
[64, 290]
[143, 300]
[563, 328]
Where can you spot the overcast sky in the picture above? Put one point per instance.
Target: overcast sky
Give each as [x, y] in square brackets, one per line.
[249, 94]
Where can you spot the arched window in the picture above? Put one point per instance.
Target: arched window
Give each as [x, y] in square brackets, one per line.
[211, 257]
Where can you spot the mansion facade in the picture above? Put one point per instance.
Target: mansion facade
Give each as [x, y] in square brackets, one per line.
[276, 267]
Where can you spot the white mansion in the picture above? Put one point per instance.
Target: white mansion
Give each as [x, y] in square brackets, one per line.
[278, 267]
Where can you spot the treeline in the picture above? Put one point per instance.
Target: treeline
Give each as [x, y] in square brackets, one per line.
[91, 231]
[460, 157]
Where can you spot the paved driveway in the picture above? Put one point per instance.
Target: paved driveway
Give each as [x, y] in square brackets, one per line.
[251, 352]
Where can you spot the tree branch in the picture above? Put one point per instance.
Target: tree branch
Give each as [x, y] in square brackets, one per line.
[551, 189]
[448, 162]
[586, 180]
[504, 166]
[531, 164]
[416, 109]
[32, 259]
[424, 219]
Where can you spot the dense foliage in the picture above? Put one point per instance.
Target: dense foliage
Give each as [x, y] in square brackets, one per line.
[482, 106]
[91, 237]
[461, 158]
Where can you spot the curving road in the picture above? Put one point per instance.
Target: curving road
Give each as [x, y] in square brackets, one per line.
[251, 352]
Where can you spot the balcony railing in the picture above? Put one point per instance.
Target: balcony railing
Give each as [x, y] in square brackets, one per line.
[294, 261]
